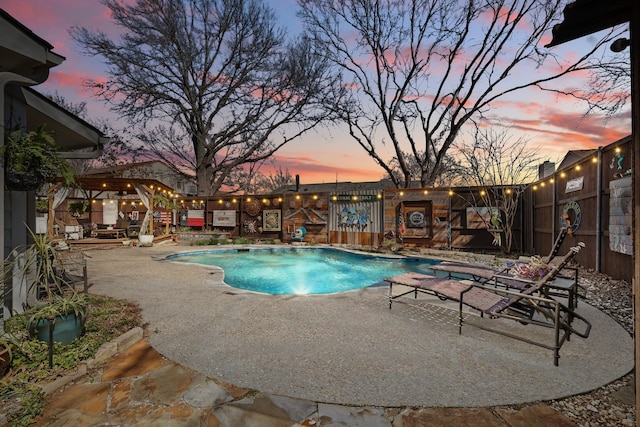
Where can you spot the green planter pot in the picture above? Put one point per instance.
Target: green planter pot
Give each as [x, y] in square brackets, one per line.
[65, 328]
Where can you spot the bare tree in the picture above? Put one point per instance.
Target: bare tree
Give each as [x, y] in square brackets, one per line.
[499, 167]
[449, 173]
[418, 70]
[208, 85]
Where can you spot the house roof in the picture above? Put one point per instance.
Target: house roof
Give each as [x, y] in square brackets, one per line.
[23, 52]
[122, 185]
[69, 131]
[584, 17]
[335, 187]
[117, 169]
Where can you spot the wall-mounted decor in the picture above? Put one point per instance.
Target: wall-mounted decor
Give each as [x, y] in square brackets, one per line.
[574, 185]
[271, 220]
[253, 207]
[416, 217]
[480, 217]
[620, 216]
[224, 218]
[571, 216]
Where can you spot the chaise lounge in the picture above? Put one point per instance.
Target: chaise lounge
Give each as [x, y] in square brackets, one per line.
[530, 305]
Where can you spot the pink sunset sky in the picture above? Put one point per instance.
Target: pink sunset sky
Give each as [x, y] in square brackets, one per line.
[554, 124]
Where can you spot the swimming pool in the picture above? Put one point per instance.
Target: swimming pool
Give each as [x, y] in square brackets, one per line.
[303, 270]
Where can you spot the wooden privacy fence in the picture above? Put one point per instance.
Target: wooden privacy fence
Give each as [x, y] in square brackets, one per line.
[593, 198]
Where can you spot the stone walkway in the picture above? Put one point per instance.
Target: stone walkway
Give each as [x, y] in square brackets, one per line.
[139, 387]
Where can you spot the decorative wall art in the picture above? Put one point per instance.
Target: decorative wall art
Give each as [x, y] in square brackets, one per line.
[271, 220]
[416, 217]
[224, 218]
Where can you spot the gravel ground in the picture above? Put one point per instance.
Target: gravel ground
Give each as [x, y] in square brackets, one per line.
[603, 407]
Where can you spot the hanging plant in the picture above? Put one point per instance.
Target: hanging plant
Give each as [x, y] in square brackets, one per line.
[76, 209]
[32, 158]
[42, 205]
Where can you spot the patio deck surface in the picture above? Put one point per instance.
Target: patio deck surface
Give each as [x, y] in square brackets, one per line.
[348, 348]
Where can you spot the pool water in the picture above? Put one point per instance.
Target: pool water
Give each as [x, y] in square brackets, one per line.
[303, 271]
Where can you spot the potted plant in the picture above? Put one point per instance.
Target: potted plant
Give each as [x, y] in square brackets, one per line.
[144, 236]
[7, 343]
[42, 205]
[78, 208]
[57, 305]
[32, 158]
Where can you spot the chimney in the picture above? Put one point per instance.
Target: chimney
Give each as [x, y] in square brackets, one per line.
[297, 183]
[546, 169]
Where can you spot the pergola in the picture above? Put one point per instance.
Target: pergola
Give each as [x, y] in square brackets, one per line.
[95, 187]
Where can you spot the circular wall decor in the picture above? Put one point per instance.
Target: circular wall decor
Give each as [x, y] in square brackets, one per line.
[415, 219]
[571, 216]
[253, 207]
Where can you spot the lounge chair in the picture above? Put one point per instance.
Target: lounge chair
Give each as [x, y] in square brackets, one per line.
[482, 273]
[564, 284]
[530, 305]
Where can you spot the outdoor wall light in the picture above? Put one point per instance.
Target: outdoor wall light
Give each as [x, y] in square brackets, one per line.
[552, 180]
[542, 184]
[594, 160]
[379, 196]
[426, 192]
[220, 201]
[248, 199]
[618, 149]
[104, 185]
[620, 44]
[450, 192]
[482, 193]
[334, 198]
[401, 193]
[508, 191]
[233, 200]
[578, 167]
[354, 198]
[297, 197]
[315, 197]
[562, 174]
[535, 187]
[280, 199]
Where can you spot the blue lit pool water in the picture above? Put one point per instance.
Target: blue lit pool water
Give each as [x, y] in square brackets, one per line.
[303, 270]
